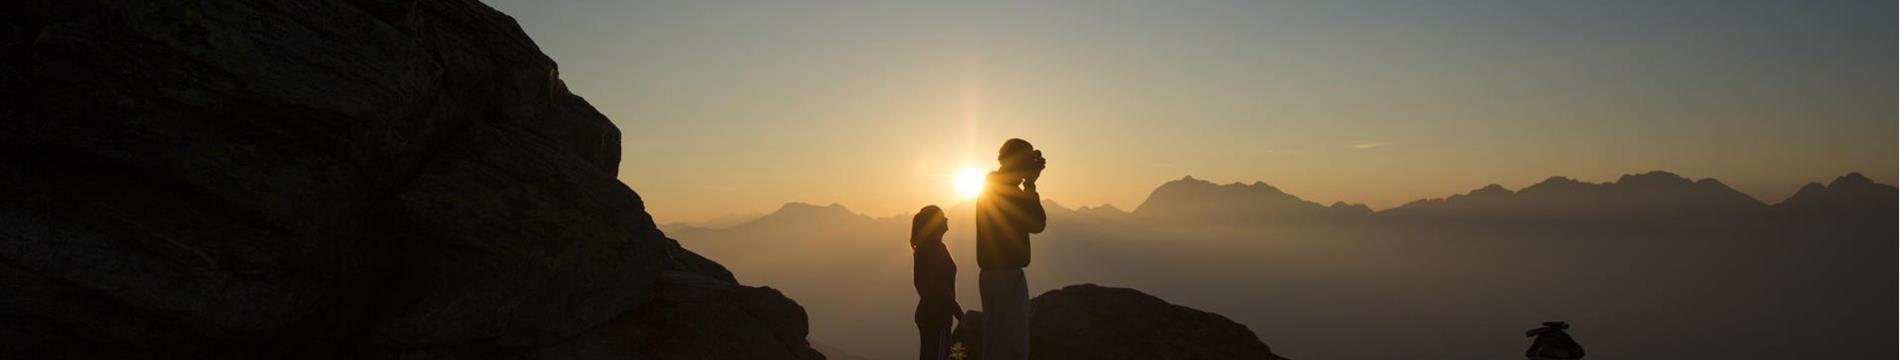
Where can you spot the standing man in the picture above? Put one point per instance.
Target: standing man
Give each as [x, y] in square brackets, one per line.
[1008, 211]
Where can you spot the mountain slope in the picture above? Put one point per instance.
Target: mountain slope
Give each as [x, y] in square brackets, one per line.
[1200, 200]
[1648, 197]
[1846, 194]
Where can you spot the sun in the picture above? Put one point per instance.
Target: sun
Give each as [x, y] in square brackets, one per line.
[968, 182]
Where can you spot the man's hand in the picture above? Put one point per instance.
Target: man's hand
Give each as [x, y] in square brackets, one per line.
[1034, 171]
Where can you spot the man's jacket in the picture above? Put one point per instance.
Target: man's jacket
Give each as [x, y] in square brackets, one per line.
[1005, 216]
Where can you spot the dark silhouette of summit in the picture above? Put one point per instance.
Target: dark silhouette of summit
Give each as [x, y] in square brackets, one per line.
[1191, 199]
[1846, 194]
[802, 214]
[1655, 196]
[1104, 211]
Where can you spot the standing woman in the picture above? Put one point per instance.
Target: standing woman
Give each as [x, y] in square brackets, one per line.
[935, 276]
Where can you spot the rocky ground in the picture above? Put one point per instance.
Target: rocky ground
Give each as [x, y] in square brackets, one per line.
[1094, 322]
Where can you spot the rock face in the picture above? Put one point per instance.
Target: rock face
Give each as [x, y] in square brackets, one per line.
[1096, 322]
[330, 179]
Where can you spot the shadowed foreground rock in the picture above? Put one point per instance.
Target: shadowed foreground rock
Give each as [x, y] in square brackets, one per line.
[330, 179]
[1095, 322]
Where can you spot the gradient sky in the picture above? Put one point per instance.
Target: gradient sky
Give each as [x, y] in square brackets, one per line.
[737, 107]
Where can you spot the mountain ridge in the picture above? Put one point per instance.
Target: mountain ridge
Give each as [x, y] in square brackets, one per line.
[1679, 259]
[1842, 190]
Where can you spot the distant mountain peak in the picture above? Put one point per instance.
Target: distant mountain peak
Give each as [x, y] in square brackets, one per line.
[1851, 179]
[1560, 180]
[1654, 178]
[801, 211]
[1101, 211]
[1847, 192]
[1193, 197]
[805, 206]
[1646, 194]
[1491, 189]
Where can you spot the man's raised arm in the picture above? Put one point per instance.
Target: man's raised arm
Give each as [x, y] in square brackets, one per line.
[1033, 218]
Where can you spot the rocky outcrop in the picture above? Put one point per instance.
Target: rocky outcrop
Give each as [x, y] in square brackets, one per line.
[699, 313]
[330, 179]
[1095, 322]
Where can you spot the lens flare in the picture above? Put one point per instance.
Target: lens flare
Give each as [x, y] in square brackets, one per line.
[969, 182]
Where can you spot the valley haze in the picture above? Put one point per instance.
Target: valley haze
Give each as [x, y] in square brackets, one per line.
[1650, 266]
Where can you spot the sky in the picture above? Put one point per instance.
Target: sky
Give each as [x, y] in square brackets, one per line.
[740, 106]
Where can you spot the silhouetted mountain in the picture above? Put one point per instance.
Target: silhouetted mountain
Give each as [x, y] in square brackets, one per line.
[1087, 322]
[800, 218]
[1198, 200]
[1649, 197]
[797, 213]
[718, 222]
[1850, 193]
[266, 179]
[1104, 212]
[1341, 208]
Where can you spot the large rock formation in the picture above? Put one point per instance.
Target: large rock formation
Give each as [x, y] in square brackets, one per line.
[1092, 322]
[330, 179]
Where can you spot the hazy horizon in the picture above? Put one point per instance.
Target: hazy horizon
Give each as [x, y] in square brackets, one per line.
[1647, 269]
[739, 218]
[739, 107]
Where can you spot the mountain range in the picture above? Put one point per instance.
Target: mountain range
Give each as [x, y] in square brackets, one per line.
[1650, 196]
[1650, 266]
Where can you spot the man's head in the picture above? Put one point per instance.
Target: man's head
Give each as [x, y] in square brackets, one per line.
[1016, 154]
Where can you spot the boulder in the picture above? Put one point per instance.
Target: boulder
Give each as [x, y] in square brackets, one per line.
[1088, 321]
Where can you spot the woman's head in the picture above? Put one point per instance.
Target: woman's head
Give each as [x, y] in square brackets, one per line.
[928, 226]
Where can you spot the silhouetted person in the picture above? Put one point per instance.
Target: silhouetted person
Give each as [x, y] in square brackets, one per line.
[1552, 343]
[1007, 211]
[935, 276]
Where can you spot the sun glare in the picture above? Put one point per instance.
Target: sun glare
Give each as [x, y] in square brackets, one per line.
[969, 182]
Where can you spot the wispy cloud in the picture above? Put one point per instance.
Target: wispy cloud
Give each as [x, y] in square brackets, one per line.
[1362, 145]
